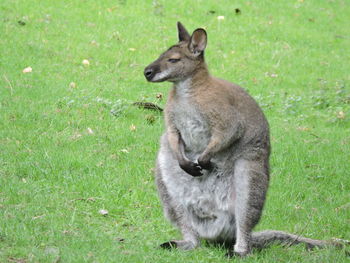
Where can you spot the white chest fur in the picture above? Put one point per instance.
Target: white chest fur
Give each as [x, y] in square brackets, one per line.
[190, 122]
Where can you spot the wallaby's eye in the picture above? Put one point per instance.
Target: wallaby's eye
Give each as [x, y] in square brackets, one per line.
[173, 60]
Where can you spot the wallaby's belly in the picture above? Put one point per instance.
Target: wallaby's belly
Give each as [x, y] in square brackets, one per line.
[207, 201]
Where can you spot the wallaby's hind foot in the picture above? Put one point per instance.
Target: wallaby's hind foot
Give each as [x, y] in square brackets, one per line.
[181, 244]
[168, 245]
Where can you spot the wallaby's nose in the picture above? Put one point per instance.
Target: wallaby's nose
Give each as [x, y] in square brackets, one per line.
[148, 73]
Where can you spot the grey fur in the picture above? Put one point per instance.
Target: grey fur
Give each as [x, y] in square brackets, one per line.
[214, 192]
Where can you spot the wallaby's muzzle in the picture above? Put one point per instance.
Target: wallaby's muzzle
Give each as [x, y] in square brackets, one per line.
[152, 70]
[149, 73]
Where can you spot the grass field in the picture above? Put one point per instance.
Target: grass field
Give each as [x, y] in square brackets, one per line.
[71, 145]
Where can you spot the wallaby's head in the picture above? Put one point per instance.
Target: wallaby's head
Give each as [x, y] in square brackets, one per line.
[181, 60]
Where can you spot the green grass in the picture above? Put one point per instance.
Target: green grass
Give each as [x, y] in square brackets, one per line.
[67, 152]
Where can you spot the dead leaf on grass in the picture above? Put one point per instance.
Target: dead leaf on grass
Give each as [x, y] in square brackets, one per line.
[27, 70]
[111, 9]
[341, 115]
[76, 136]
[72, 85]
[17, 260]
[103, 212]
[86, 62]
[343, 207]
[94, 43]
[159, 96]
[38, 217]
[90, 131]
[303, 129]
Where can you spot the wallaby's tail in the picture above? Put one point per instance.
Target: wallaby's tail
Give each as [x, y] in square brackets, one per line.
[265, 238]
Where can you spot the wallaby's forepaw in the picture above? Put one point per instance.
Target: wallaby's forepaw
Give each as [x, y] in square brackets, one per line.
[181, 244]
[207, 165]
[192, 168]
[204, 162]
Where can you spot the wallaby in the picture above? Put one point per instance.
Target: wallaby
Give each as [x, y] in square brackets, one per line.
[212, 170]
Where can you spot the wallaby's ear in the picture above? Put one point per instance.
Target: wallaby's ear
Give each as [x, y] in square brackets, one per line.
[198, 41]
[183, 34]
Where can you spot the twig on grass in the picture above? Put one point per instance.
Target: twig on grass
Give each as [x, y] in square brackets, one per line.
[148, 106]
[9, 83]
[89, 199]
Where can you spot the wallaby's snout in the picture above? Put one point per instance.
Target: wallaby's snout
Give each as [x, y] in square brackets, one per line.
[150, 71]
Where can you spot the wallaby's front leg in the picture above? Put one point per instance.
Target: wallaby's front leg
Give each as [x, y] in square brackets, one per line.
[224, 133]
[178, 147]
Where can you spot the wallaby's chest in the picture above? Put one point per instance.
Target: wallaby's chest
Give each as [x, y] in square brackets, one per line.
[193, 127]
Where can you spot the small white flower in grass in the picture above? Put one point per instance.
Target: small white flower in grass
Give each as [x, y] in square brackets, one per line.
[103, 212]
[220, 17]
[124, 151]
[27, 70]
[90, 131]
[132, 127]
[86, 62]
